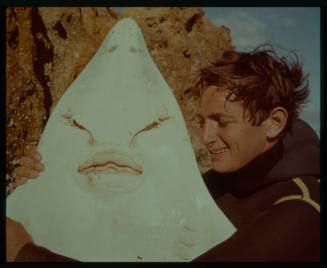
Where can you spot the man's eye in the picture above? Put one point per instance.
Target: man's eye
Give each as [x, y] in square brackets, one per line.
[198, 122]
[223, 123]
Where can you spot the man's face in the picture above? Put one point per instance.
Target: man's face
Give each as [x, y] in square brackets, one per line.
[227, 133]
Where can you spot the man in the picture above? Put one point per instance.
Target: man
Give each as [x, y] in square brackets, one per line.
[265, 162]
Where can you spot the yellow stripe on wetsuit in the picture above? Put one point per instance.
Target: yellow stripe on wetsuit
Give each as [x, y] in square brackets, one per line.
[304, 197]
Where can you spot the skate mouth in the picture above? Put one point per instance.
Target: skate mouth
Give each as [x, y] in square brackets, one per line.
[110, 162]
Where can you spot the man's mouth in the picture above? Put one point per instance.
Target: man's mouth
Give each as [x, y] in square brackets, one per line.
[110, 162]
[218, 151]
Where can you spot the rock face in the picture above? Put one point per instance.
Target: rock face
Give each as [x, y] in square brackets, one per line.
[48, 47]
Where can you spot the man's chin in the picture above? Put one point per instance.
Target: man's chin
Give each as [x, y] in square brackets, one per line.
[222, 169]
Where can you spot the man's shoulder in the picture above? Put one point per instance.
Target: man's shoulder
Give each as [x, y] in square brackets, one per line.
[300, 192]
[307, 190]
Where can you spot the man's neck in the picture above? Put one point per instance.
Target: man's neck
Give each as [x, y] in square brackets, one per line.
[252, 176]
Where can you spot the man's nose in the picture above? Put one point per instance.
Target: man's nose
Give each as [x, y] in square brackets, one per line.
[209, 132]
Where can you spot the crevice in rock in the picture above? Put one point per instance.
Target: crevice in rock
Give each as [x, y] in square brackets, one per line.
[190, 23]
[112, 13]
[43, 55]
[69, 19]
[60, 30]
[186, 54]
[12, 38]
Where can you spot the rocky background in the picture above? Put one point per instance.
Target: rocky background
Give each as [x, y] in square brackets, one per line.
[46, 48]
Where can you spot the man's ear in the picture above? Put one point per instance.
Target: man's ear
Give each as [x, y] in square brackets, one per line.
[276, 122]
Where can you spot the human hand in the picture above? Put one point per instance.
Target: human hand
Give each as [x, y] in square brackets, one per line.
[30, 167]
[16, 238]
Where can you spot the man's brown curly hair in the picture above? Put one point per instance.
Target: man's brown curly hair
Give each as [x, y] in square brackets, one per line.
[260, 80]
